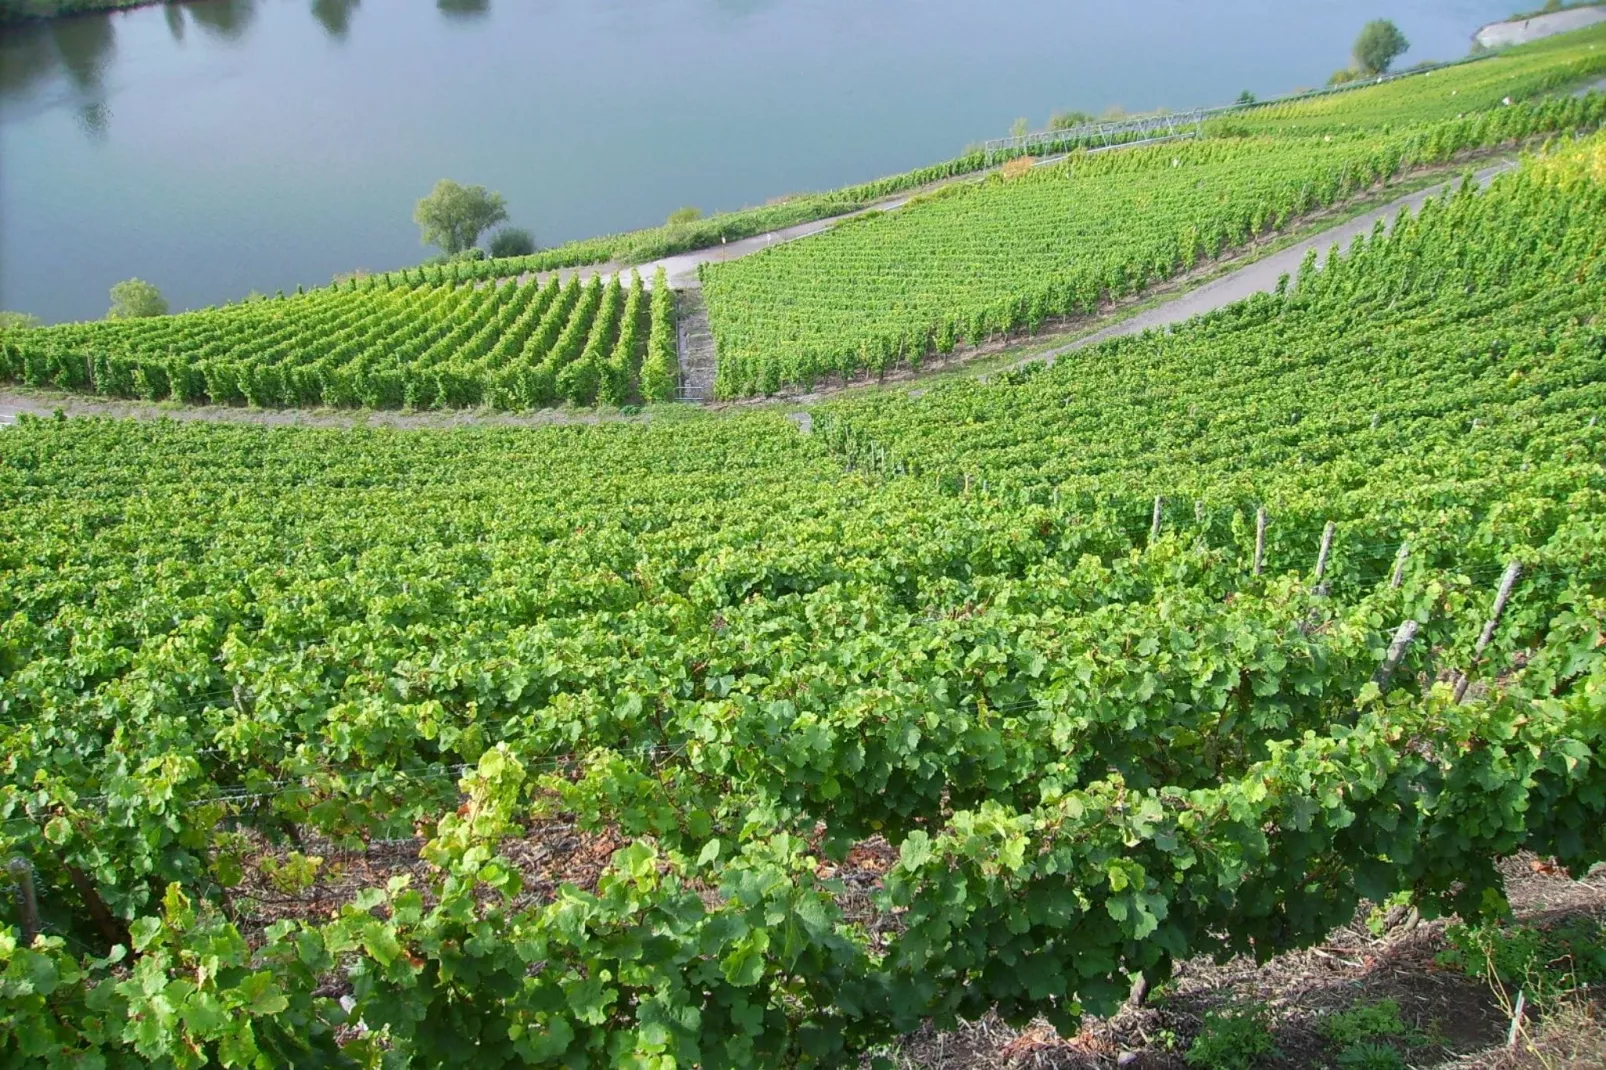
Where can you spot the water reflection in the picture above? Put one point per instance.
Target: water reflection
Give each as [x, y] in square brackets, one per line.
[226, 20]
[86, 48]
[80, 50]
[464, 10]
[27, 59]
[175, 21]
[95, 119]
[334, 16]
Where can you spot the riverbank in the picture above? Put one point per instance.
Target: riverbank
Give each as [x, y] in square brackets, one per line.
[17, 11]
[679, 249]
[196, 99]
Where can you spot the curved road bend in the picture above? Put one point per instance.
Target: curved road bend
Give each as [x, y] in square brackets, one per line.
[1261, 276]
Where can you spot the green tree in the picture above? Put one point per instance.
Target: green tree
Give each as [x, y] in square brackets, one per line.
[512, 241]
[681, 216]
[1019, 128]
[1379, 45]
[1066, 120]
[453, 216]
[136, 299]
[1246, 97]
[17, 321]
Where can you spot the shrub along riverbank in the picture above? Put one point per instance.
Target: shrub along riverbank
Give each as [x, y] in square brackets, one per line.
[26, 10]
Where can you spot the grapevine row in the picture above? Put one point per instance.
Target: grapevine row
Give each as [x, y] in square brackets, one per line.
[509, 346]
[978, 263]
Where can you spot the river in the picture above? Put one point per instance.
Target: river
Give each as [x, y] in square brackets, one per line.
[225, 146]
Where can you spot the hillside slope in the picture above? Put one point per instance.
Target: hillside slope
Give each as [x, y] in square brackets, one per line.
[724, 744]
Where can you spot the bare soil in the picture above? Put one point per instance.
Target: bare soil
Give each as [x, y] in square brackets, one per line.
[1460, 1021]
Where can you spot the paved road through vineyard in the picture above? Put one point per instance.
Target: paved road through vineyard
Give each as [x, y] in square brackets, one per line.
[1261, 276]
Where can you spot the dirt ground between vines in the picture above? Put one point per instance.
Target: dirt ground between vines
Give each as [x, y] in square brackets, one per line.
[1464, 1023]
[1460, 1022]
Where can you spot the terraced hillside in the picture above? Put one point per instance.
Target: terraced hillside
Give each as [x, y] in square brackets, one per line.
[975, 264]
[1519, 74]
[963, 266]
[1408, 368]
[718, 744]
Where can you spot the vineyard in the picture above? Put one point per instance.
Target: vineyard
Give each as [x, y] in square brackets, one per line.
[717, 744]
[1521, 74]
[977, 263]
[1518, 75]
[377, 342]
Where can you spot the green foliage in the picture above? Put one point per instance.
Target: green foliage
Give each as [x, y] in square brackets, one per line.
[681, 217]
[512, 241]
[1366, 1021]
[1232, 1040]
[1547, 962]
[1246, 97]
[435, 341]
[998, 260]
[1069, 120]
[1380, 43]
[454, 216]
[136, 299]
[699, 663]
[1370, 1055]
[1523, 74]
[660, 376]
[17, 321]
[732, 655]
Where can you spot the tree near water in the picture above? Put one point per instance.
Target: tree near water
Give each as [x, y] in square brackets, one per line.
[453, 216]
[17, 321]
[1380, 44]
[136, 299]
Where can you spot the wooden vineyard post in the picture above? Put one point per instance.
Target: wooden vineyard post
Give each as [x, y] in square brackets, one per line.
[1396, 653]
[1327, 546]
[21, 871]
[1399, 565]
[1507, 583]
[1154, 528]
[1260, 539]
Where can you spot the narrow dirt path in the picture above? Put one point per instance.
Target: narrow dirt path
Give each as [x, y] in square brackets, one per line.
[16, 402]
[697, 364]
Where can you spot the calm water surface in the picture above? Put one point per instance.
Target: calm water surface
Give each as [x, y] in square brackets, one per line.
[226, 146]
